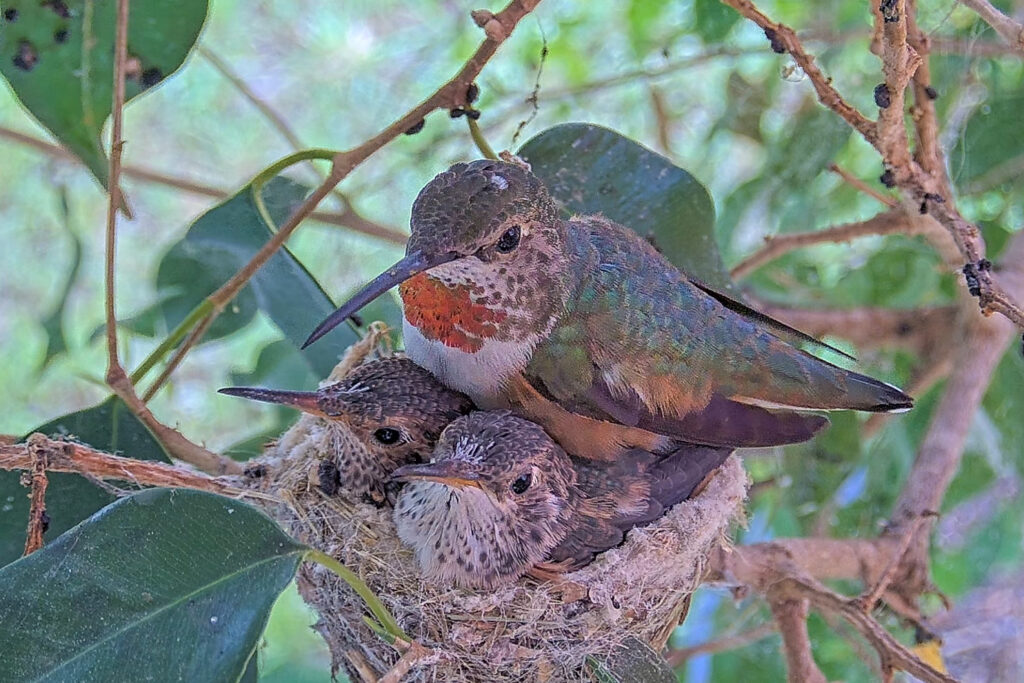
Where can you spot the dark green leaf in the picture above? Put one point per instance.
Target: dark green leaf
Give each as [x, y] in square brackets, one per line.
[163, 585]
[590, 169]
[59, 58]
[109, 426]
[714, 19]
[54, 323]
[990, 153]
[223, 240]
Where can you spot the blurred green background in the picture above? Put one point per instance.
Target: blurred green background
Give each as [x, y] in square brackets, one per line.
[688, 79]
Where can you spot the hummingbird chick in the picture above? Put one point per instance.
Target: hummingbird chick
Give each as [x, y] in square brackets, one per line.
[581, 325]
[385, 413]
[500, 498]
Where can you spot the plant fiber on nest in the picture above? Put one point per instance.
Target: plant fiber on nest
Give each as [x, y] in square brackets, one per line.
[524, 631]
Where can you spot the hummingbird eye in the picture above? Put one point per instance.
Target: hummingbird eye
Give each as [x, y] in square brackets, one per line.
[509, 240]
[522, 483]
[387, 435]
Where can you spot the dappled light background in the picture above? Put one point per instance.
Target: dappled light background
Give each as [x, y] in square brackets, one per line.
[688, 79]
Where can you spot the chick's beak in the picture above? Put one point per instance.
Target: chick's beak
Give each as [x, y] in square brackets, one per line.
[413, 263]
[448, 472]
[306, 401]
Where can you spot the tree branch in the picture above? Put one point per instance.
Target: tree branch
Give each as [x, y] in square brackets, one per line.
[347, 218]
[791, 617]
[784, 39]
[38, 520]
[888, 135]
[76, 458]
[1008, 29]
[676, 658]
[887, 223]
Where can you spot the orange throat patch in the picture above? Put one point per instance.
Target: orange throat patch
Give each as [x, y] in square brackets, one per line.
[449, 314]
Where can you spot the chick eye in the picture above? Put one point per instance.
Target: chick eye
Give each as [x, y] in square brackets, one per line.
[521, 483]
[509, 240]
[387, 435]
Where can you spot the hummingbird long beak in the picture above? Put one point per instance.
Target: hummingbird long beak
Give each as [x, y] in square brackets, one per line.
[413, 263]
[447, 472]
[306, 401]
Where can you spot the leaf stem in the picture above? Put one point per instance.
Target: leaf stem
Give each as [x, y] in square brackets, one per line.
[479, 140]
[359, 586]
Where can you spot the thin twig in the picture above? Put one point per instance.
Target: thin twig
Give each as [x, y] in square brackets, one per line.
[451, 95]
[1009, 30]
[890, 222]
[676, 658]
[176, 443]
[869, 598]
[412, 654]
[38, 521]
[785, 38]
[859, 184]
[191, 340]
[347, 218]
[114, 179]
[277, 121]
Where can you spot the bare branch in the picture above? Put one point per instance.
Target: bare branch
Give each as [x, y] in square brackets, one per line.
[784, 38]
[859, 184]
[895, 221]
[919, 329]
[38, 521]
[1008, 29]
[791, 616]
[978, 352]
[676, 658]
[76, 458]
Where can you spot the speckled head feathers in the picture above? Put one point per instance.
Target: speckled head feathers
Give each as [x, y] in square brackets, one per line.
[463, 208]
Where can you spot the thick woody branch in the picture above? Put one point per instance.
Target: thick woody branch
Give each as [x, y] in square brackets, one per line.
[977, 353]
[923, 189]
[791, 570]
[1009, 30]
[76, 458]
[791, 617]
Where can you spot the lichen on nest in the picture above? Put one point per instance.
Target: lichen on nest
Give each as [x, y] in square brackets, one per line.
[528, 630]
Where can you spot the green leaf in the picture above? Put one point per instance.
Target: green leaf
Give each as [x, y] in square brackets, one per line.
[58, 57]
[221, 242]
[590, 169]
[54, 323]
[109, 426]
[991, 149]
[713, 20]
[162, 585]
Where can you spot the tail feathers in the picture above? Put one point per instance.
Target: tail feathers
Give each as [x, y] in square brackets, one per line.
[678, 475]
[867, 393]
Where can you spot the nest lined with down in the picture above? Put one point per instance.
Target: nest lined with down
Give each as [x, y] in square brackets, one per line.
[524, 631]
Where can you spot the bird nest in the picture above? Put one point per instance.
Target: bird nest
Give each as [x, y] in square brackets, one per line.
[529, 630]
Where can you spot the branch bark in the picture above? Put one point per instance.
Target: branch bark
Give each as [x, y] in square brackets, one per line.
[1009, 30]
[76, 458]
[791, 617]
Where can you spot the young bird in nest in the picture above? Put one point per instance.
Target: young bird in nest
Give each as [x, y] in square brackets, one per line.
[385, 413]
[500, 498]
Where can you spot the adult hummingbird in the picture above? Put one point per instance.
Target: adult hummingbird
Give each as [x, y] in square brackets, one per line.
[500, 498]
[583, 326]
[383, 414]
